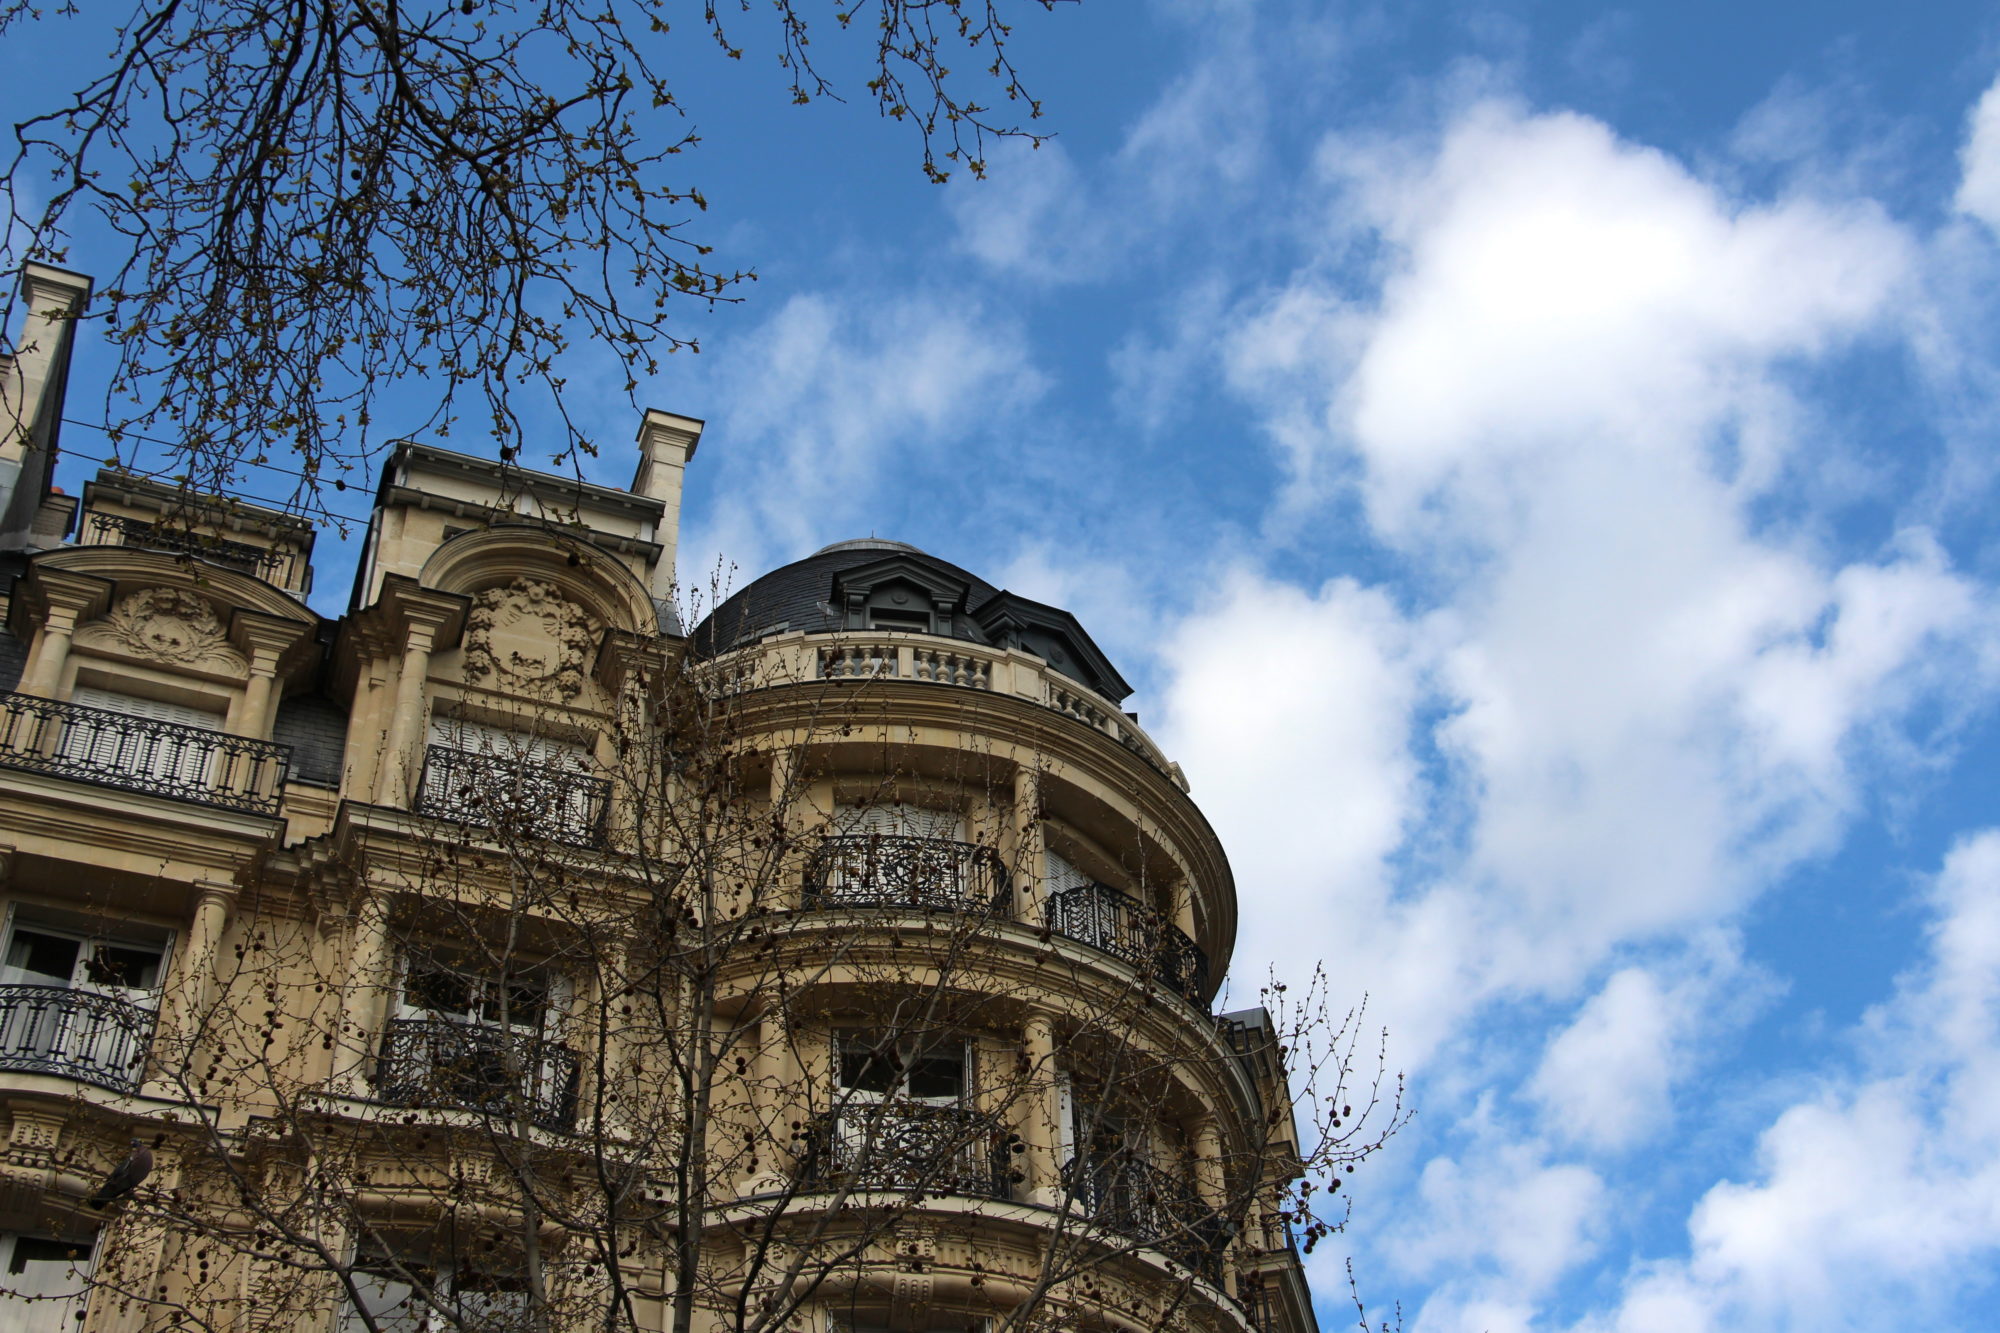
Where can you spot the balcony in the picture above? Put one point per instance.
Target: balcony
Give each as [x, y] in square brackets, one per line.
[1122, 926]
[278, 567]
[504, 1073]
[140, 754]
[864, 657]
[890, 870]
[75, 1034]
[913, 1147]
[1135, 1199]
[514, 795]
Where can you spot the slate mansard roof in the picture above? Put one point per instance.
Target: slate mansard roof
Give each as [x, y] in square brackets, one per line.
[835, 587]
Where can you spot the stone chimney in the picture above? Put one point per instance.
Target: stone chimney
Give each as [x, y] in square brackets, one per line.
[33, 383]
[666, 444]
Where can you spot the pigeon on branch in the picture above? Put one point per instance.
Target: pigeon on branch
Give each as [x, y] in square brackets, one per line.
[125, 1177]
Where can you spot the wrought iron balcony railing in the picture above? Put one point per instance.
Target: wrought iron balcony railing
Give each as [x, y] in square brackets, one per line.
[520, 795]
[141, 754]
[76, 1034]
[1124, 927]
[1133, 1198]
[890, 870]
[913, 1147]
[451, 1065]
[273, 566]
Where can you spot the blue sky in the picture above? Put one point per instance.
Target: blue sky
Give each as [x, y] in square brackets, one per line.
[1534, 459]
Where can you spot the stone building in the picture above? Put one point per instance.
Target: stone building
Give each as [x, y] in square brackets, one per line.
[506, 954]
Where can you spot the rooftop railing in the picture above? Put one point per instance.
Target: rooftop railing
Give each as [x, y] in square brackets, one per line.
[453, 1065]
[890, 870]
[140, 754]
[1124, 927]
[866, 655]
[276, 565]
[75, 1034]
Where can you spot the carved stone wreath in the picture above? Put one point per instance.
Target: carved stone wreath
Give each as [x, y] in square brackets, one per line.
[534, 610]
[169, 625]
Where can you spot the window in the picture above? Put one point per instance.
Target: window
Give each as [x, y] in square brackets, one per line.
[44, 1282]
[899, 821]
[152, 752]
[891, 618]
[413, 1298]
[435, 988]
[76, 1004]
[469, 1041]
[875, 1069]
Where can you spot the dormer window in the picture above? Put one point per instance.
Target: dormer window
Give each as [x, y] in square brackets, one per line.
[890, 618]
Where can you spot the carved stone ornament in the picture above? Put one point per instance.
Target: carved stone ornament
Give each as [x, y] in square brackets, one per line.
[527, 638]
[169, 625]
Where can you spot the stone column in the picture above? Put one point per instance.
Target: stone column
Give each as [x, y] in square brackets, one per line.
[1027, 837]
[1041, 1109]
[406, 722]
[214, 903]
[364, 994]
[187, 991]
[43, 675]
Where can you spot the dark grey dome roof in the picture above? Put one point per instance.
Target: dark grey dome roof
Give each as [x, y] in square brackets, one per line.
[797, 596]
[888, 585]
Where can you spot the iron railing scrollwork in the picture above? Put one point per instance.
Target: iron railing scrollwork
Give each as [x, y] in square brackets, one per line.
[1124, 927]
[892, 870]
[514, 794]
[911, 1146]
[447, 1064]
[75, 1034]
[272, 566]
[142, 754]
[1131, 1197]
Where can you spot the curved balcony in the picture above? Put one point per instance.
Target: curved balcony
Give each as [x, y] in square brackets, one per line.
[890, 870]
[1122, 926]
[141, 754]
[861, 656]
[449, 1065]
[912, 1147]
[1137, 1200]
[75, 1034]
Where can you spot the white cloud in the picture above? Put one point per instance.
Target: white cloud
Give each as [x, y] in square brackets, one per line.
[1502, 1219]
[1560, 291]
[834, 403]
[1878, 1197]
[1290, 713]
[1979, 161]
[1605, 1078]
[1033, 216]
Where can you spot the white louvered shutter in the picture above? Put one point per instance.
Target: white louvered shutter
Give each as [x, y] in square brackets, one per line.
[154, 754]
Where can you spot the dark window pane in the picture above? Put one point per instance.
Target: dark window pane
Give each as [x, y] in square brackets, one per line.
[49, 956]
[113, 965]
[937, 1077]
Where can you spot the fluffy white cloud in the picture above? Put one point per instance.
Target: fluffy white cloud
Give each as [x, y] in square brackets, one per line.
[1879, 1195]
[1979, 162]
[1503, 1219]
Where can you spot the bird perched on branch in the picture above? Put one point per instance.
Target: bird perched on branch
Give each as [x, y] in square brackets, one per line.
[125, 1177]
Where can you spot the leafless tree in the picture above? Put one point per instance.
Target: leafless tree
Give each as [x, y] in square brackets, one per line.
[317, 199]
